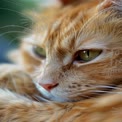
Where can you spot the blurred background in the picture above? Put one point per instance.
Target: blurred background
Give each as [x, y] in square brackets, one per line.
[14, 23]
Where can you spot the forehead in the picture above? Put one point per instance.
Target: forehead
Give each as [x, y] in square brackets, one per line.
[79, 22]
[65, 29]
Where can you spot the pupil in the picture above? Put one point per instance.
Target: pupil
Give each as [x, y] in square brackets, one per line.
[88, 53]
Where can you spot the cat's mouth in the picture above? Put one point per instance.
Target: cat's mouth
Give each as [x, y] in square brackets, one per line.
[45, 95]
[106, 89]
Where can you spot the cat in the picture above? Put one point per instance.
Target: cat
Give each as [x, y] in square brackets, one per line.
[74, 66]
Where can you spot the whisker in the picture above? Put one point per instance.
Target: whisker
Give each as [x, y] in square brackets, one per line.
[36, 98]
[14, 2]
[98, 91]
[12, 40]
[39, 98]
[2, 34]
[108, 86]
[15, 12]
[17, 26]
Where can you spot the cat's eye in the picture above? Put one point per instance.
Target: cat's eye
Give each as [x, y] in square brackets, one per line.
[86, 55]
[40, 52]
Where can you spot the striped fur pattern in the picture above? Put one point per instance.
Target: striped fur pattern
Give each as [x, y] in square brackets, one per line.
[80, 28]
[90, 92]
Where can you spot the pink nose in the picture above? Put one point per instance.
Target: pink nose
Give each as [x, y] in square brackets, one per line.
[48, 87]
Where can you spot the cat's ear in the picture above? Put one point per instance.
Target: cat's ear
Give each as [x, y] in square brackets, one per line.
[110, 3]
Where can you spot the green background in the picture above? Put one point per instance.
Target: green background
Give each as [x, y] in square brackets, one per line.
[14, 23]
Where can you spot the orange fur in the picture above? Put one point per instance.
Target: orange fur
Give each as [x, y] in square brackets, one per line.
[77, 27]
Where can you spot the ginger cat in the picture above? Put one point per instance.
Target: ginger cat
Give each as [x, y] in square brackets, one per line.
[74, 66]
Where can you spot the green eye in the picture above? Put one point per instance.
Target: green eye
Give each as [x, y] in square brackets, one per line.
[40, 52]
[87, 55]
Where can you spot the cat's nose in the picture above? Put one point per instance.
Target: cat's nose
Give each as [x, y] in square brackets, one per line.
[49, 87]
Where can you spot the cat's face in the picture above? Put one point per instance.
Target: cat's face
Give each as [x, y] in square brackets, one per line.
[82, 55]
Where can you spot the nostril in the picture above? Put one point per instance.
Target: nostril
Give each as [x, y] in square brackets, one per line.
[49, 87]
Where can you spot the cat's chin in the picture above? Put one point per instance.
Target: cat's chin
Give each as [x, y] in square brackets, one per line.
[47, 96]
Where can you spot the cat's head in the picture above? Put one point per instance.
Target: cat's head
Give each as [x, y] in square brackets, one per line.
[80, 55]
